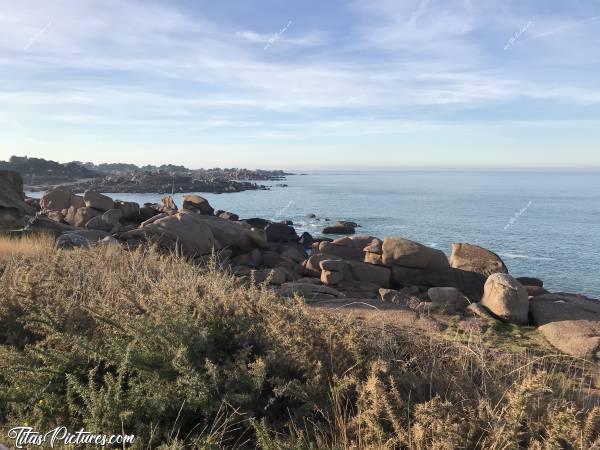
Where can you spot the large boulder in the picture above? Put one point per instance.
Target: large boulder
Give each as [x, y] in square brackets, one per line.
[469, 283]
[197, 204]
[56, 200]
[98, 201]
[473, 258]
[184, 231]
[403, 252]
[279, 232]
[571, 323]
[506, 298]
[12, 201]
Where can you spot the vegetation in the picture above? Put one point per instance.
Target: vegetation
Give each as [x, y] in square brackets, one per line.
[184, 356]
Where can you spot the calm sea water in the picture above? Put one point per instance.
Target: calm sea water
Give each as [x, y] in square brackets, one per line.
[542, 224]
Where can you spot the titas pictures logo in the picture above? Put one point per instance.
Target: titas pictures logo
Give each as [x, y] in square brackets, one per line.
[24, 437]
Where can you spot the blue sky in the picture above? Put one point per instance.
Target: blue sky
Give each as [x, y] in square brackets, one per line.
[311, 84]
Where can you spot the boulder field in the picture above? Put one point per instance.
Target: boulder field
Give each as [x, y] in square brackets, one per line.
[394, 270]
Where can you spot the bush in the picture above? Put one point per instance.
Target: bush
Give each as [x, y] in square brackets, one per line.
[184, 356]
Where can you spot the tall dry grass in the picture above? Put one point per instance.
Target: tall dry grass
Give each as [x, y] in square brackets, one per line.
[25, 245]
[184, 356]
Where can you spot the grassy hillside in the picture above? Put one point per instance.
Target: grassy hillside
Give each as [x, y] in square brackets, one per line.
[185, 357]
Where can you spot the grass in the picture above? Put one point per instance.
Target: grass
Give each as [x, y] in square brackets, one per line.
[185, 356]
[21, 244]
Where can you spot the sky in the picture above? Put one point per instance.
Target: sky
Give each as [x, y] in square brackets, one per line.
[310, 84]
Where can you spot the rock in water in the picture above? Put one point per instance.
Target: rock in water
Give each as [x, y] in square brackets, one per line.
[12, 201]
[339, 229]
[98, 201]
[506, 298]
[197, 204]
[402, 252]
[571, 323]
[473, 258]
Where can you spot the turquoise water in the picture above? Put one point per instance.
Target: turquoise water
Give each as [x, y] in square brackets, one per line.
[542, 224]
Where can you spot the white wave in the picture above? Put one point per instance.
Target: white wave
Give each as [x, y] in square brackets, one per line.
[517, 256]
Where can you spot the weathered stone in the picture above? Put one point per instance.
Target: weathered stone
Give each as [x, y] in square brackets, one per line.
[571, 323]
[403, 252]
[506, 298]
[473, 258]
[98, 201]
[197, 204]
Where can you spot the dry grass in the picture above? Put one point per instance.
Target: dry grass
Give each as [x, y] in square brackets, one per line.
[185, 357]
[25, 245]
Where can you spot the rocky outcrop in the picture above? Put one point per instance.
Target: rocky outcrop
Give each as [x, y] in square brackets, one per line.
[197, 204]
[506, 299]
[571, 323]
[473, 258]
[12, 201]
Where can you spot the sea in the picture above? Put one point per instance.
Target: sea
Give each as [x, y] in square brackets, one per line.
[542, 224]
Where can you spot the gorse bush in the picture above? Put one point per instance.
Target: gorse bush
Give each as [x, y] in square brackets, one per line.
[184, 356]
